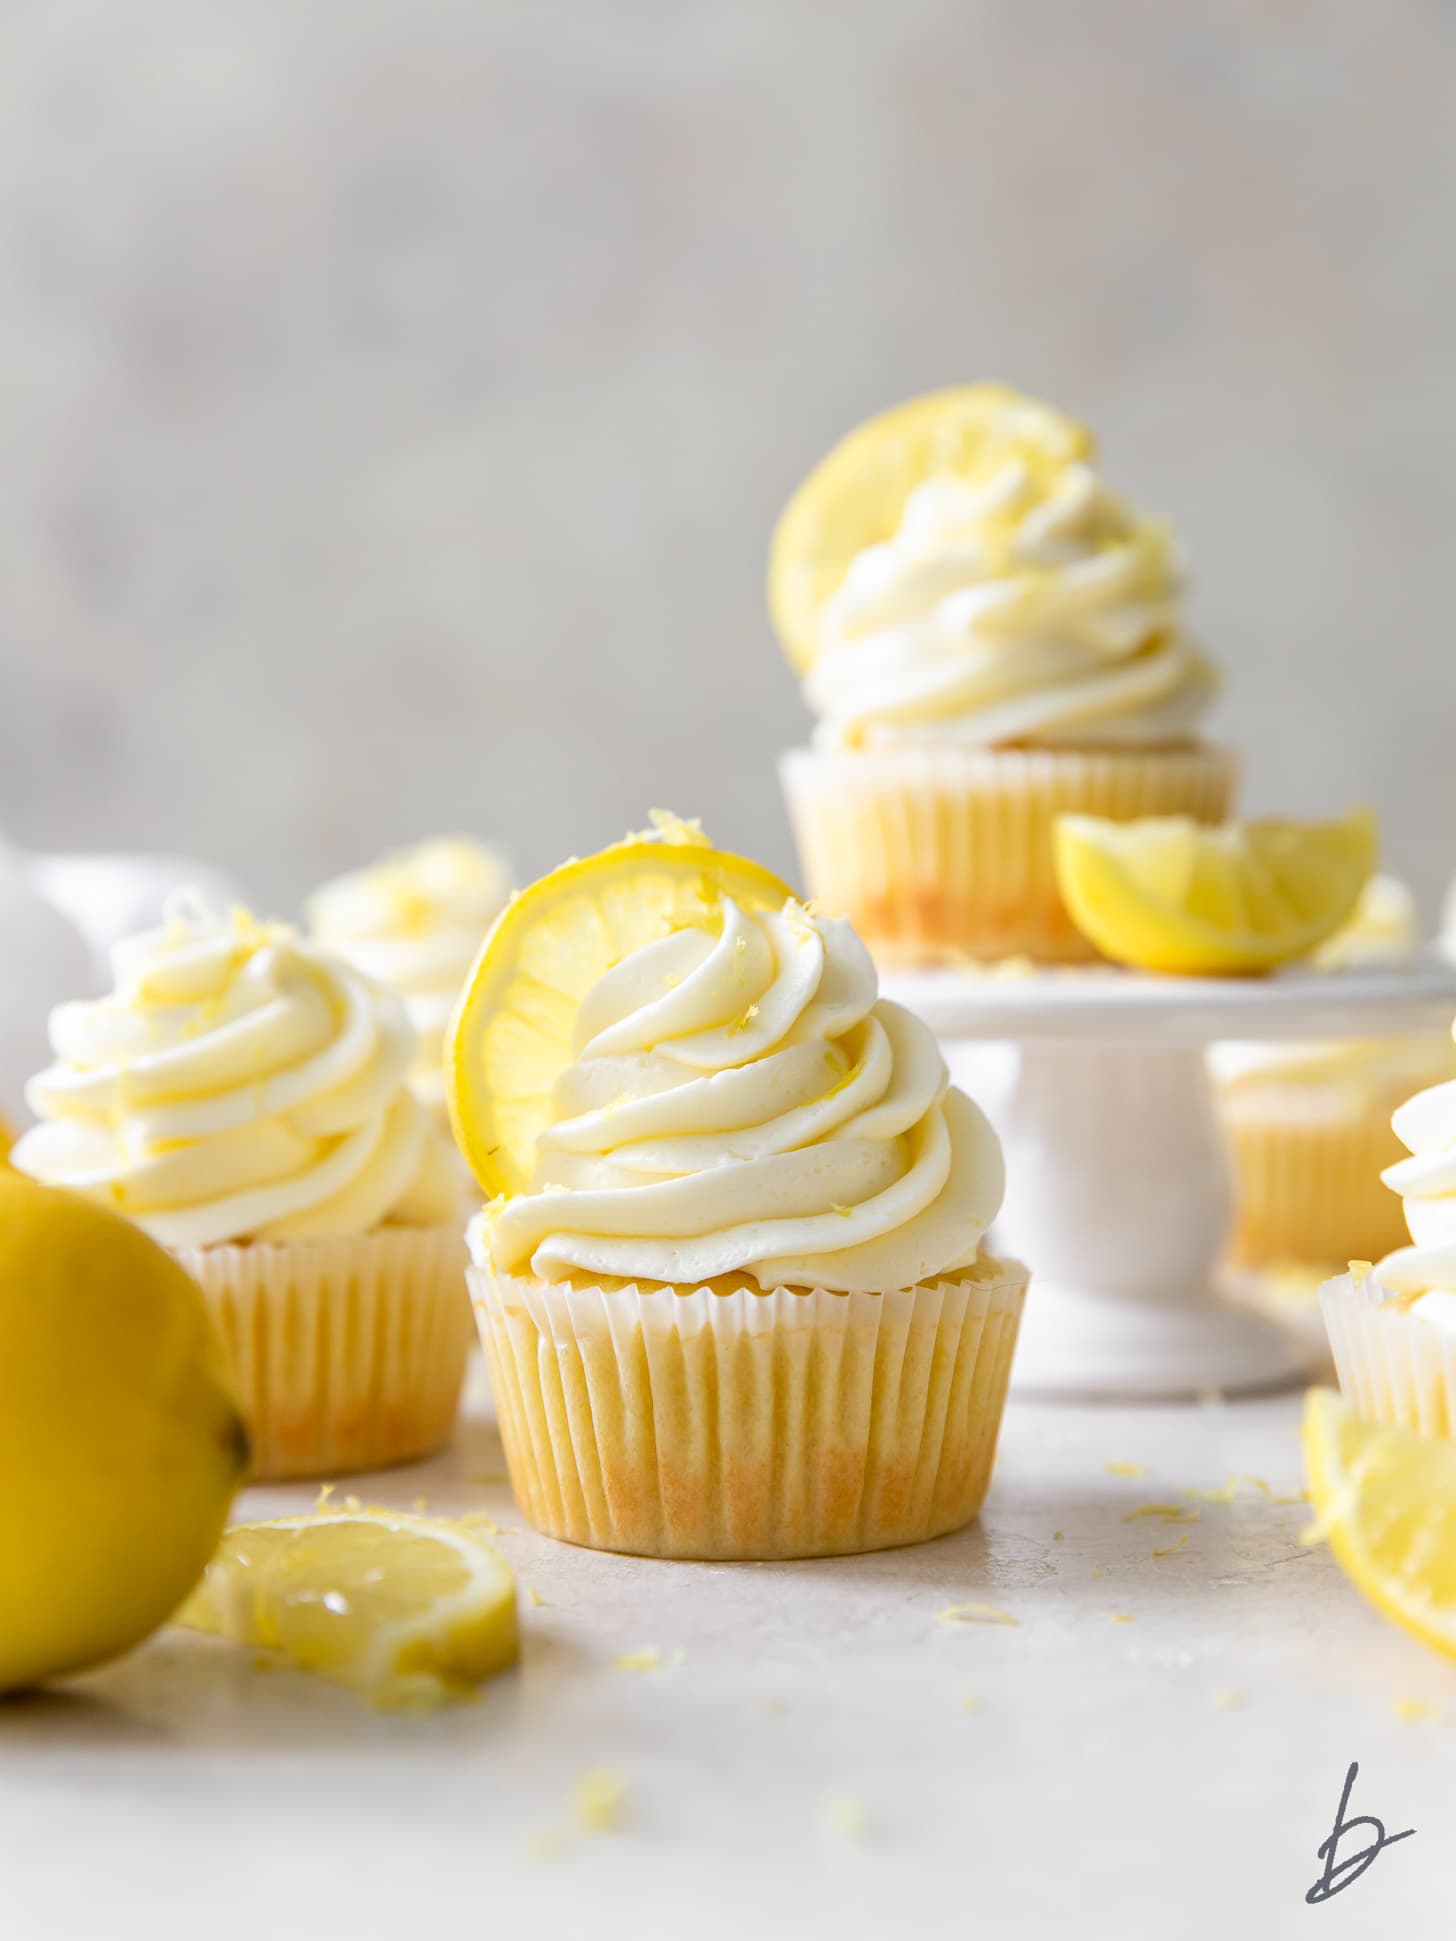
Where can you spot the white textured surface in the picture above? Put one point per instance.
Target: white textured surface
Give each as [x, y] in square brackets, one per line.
[1100, 1788]
[398, 393]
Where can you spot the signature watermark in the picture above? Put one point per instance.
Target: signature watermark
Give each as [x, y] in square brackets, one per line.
[1342, 1873]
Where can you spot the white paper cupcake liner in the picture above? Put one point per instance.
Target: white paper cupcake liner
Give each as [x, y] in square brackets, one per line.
[1393, 1367]
[942, 853]
[348, 1354]
[702, 1423]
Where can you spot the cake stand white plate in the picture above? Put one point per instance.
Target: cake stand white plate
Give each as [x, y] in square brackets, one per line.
[1119, 1195]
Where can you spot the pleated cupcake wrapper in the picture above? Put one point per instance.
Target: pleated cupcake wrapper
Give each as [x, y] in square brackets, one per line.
[1309, 1186]
[1393, 1367]
[939, 854]
[697, 1423]
[348, 1354]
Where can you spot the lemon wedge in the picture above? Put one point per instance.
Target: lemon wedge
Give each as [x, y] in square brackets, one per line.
[1171, 894]
[406, 1610]
[854, 497]
[512, 1034]
[1386, 1500]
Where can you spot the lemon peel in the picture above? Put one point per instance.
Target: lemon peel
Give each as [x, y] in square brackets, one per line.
[975, 1614]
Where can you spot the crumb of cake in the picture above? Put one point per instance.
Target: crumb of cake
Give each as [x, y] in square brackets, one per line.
[1058, 1536]
[1414, 1711]
[421, 1506]
[320, 1502]
[600, 1797]
[648, 1658]
[974, 1614]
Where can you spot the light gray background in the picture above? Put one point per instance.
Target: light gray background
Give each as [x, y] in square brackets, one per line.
[396, 395]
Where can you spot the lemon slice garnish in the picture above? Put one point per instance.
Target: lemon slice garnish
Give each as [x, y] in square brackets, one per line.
[512, 1034]
[406, 1610]
[854, 497]
[1386, 1500]
[1171, 894]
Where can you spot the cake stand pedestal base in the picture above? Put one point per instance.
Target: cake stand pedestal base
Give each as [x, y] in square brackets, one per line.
[1118, 1193]
[1118, 1189]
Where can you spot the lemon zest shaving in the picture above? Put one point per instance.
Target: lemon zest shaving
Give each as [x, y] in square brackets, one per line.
[600, 1798]
[975, 1614]
[1164, 1512]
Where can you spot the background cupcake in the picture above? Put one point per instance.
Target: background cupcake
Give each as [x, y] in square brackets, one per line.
[243, 1096]
[733, 1297]
[989, 638]
[1309, 1125]
[415, 920]
[1393, 1332]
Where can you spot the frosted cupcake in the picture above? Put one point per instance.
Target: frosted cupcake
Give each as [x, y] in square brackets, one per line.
[735, 1304]
[415, 921]
[243, 1097]
[989, 638]
[1309, 1124]
[1393, 1331]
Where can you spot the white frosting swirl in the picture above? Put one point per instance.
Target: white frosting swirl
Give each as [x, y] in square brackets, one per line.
[1426, 1182]
[742, 1101]
[1018, 601]
[416, 921]
[238, 1085]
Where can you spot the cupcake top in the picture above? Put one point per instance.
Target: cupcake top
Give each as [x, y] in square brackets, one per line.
[239, 1084]
[1385, 929]
[1017, 600]
[415, 921]
[741, 1100]
[1426, 1182]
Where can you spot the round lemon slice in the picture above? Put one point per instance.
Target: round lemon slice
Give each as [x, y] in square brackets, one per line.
[512, 1034]
[1386, 1500]
[854, 497]
[407, 1610]
[1171, 894]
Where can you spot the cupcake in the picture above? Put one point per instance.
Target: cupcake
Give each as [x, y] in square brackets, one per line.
[243, 1097]
[734, 1297]
[415, 921]
[1309, 1124]
[1393, 1331]
[989, 638]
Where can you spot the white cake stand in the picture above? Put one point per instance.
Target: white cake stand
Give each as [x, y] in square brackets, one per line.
[1119, 1194]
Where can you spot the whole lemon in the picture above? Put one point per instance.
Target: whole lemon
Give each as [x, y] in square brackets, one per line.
[120, 1442]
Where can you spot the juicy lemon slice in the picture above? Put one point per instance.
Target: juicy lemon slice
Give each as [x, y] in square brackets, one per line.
[512, 1035]
[1170, 894]
[406, 1610]
[855, 496]
[1386, 1500]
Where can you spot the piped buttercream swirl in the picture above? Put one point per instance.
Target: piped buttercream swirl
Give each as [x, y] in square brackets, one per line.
[415, 921]
[1019, 600]
[238, 1084]
[742, 1100]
